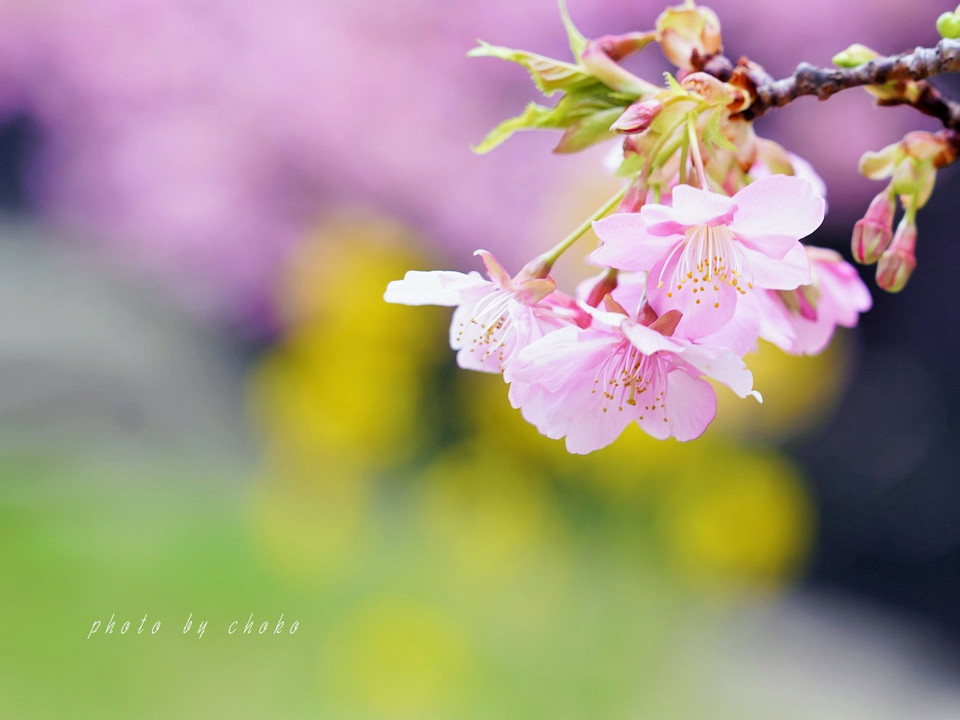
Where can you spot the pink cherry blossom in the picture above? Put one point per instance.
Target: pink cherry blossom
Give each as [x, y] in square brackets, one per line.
[494, 318]
[588, 384]
[803, 321]
[708, 249]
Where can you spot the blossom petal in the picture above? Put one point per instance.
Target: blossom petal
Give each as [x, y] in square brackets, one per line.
[777, 324]
[741, 331]
[704, 312]
[489, 329]
[494, 269]
[552, 361]
[591, 430]
[775, 247]
[842, 297]
[437, 287]
[778, 205]
[693, 206]
[723, 365]
[787, 274]
[689, 406]
[650, 341]
[626, 244]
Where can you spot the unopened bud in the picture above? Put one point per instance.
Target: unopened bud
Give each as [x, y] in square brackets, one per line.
[948, 25]
[872, 234]
[854, 56]
[896, 265]
[537, 268]
[687, 33]
[637, 117]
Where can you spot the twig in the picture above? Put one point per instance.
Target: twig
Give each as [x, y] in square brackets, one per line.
[808, 80]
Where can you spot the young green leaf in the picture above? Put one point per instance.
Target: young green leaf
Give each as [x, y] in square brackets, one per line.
[548, 74]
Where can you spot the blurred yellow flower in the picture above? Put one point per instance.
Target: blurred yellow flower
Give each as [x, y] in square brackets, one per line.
[798, 391]
[732, 515]
[349, 377]
[491, 522]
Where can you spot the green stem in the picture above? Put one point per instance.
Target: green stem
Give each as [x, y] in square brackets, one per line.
[551, 255]
[695, 153]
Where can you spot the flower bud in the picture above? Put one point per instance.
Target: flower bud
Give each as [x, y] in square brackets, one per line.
[637, 117]
[948, 25]
[897, 263]
[854, 56]
[872, 233]
[688, 32]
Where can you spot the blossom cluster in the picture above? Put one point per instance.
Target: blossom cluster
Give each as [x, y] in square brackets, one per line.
[697, 282]
[701, 259]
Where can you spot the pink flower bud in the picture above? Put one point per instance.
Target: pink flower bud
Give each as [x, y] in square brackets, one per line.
[898, 261]
[873, 233]
[637, 117]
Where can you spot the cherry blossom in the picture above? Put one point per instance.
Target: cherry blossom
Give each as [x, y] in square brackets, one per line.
[590, 383]
[707, 249]
[494, 318]
[803, 321]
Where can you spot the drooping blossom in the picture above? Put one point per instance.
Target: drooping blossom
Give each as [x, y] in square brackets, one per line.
[803, 321]
[589, 384]
[494, 318]
[706, 250]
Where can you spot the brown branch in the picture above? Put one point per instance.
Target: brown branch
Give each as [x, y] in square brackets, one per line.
[825, 82]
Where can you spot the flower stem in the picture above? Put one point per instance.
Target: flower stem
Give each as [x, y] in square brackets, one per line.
[550, 257]
[695, 154]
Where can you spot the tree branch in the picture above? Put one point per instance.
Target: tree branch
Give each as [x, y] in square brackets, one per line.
[825, 82]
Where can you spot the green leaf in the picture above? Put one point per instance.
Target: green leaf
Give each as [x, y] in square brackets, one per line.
[572, 109]
[588, 131]
[673, 84]
[713, 135]
[577, 41]
[548, 74]
[534, 116]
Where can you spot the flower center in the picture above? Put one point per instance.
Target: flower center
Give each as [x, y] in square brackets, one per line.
[625, 375]
[490, 332]
[707, 258]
